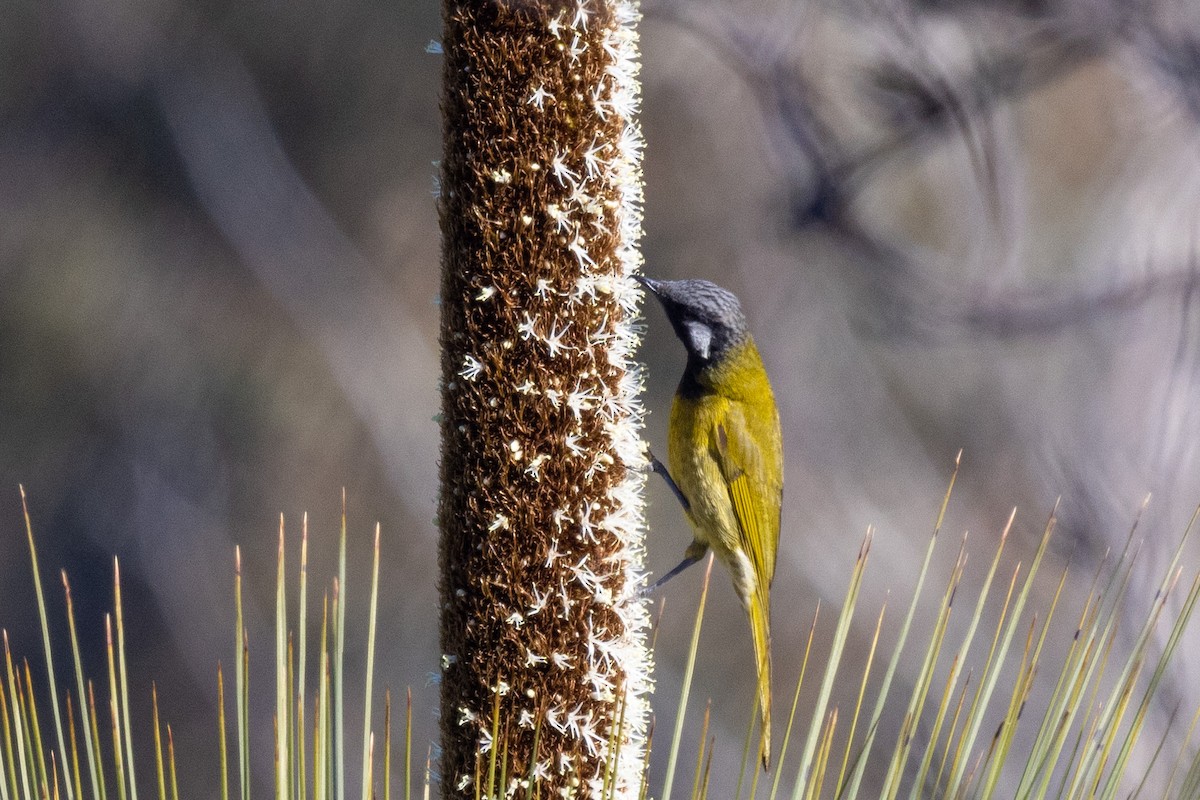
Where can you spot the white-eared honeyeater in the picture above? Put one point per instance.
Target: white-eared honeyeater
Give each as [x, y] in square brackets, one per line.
[725, 452]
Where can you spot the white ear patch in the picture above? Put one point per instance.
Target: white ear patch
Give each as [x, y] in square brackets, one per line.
[700, 336]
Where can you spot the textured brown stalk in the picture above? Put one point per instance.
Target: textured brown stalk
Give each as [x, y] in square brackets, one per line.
[540, 532]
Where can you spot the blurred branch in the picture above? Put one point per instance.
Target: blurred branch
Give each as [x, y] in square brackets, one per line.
[923, 103]
[281, 230]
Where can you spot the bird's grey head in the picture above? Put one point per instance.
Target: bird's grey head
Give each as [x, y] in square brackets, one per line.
[707, 318]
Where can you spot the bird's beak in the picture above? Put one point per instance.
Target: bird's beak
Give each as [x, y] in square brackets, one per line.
[649, 283]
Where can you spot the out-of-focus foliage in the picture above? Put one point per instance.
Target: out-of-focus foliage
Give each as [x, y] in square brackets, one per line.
[955, 224]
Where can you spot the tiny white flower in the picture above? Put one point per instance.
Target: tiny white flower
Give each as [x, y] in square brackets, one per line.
[539, 602]
[540, 96]
[526, 329]
[485, 293]
[562, 223]
[501, 521]
[578, 47]
[534, 469]
[564, 173]
[581, 17]
[552, 554]
[554, 340]
[472, 367]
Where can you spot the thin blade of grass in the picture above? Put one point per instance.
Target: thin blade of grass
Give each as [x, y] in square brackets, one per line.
[8, 780]
[283, 726]
[1117, 703]
[712, 745]
[223, 747]
[858, 703]
[1158, 751]
[339, 665]
[95, 718]
[370, 668]
[302, 677]
[818, 774]
[1149, 694]
[924, 677]
[114, 710]
[387, 745]
[787, 733]
[71, 737]
[98, 791]
[45, 626]
[18, 725]
[963, 651]
[493, 751]
[689, 669]
[408, 746]
[240, 678]
[171, 763]
[997, 656]
[44, 775]
[160, 771]
[860, 762]
[836, 648]
[1183, 749]
[123, 672]
[700, 753]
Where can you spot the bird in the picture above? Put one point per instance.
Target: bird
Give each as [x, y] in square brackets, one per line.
[725, 456]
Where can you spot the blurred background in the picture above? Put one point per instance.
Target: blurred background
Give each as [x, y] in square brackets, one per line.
[954, 225]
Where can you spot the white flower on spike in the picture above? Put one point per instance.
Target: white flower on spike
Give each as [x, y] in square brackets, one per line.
[534, 469]
[539, 602]
[581, 400]
[562, 222]
[553, 339]
[581, 16]
[591, 158]
[472, 367]
[577, 48]
[540, 96]
[566, 176]
[578, 248]
[552, 554]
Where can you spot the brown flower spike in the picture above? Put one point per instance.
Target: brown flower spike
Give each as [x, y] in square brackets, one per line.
[542, 462]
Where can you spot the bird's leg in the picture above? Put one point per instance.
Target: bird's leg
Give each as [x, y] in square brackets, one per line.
[661, 469]
[694, 553]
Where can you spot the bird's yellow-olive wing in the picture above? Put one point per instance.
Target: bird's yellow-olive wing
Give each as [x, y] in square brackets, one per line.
[742, 465]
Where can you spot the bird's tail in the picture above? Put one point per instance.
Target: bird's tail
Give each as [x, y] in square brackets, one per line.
[760, 630]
